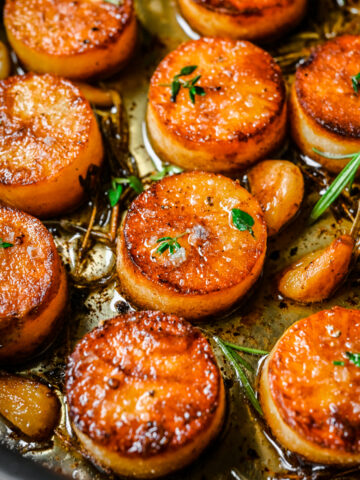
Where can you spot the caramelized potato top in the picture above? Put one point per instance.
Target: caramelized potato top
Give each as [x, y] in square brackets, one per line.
[65, 27]
[245, 7]
[214, 254]
[30, 269]
[316, 398]
[324, 86]
[143, 383]
[244, 91]
[45, 124]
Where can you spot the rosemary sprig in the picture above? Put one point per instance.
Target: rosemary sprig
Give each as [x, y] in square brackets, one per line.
[345, 177]
[230, 352]
[242, 221]
[169, 243]
[167, 170]
[355, 82]
[117, 188]
[179, 83]
[5, 244]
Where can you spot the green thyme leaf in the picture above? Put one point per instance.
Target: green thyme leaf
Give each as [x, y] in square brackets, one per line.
[178, 83]
[115, 194]
[338, 363]
[169, 243]
[344, 178]
[5, 244]
[355, 82]
[187, 70]
[354, 358]
[175, 89]
[167, 170]
[242, 221]
[232, 358]
[136, 184]
[240, 348]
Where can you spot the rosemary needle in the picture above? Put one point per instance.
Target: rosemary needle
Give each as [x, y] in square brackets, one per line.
[345, 177]
[232, 357]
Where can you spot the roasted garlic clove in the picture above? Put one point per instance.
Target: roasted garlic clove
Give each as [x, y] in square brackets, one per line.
[32, 407]
[317, 275]
[278, 185]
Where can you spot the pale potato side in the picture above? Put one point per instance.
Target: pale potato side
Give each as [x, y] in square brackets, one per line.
[33, 287]
[49, 137]
[324, 108]
[278, 185]
[311, 404]
[255, 20]
[316, 276]
[216, 265]
[81, 39]
[145, 394]
[240, 119]
[30, 406]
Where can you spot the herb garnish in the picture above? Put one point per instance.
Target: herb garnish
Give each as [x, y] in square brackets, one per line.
[355, 82]
[5, 244]
[169, 243]
[167, 170]
[354, 358]
[242, 221]
[178, 82]
[345, 177]
[230, 351]
[338, 363]
[117, 188]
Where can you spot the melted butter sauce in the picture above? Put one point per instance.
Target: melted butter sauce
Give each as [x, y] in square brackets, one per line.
[244, 449]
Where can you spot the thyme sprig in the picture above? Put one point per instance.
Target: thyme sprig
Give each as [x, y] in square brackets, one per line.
[169, 243]
[242, 221]
[5, 244]
[240, 365]
[179, 83]
[167, 170]
[345, 178]
[355, 82]
[117, 187]
[353, 358]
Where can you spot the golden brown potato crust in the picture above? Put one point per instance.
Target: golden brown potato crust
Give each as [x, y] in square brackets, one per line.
[318, 400]
[66, 27]
[324, 87]
[260, 20]
[245, 97]
[32, 284]
[143, 384]
[49, 138]
[217, 256]
[45, 125]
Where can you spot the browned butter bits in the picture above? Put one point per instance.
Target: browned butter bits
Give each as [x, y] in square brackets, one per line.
[77, 40]
[228, 113]
[255, 20]
[145, 394]
[310, 388]
[49, 138]
[324, 104]
[33, 287]
[179, 249]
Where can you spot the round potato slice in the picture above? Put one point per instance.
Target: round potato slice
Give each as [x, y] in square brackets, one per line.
[310, 387]
[77, 40]
[229, 112]
[49, 138]
[324, 104]
[256, 20]
[145, 394]
[33, 286]
[192, 244]
[278, 185]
